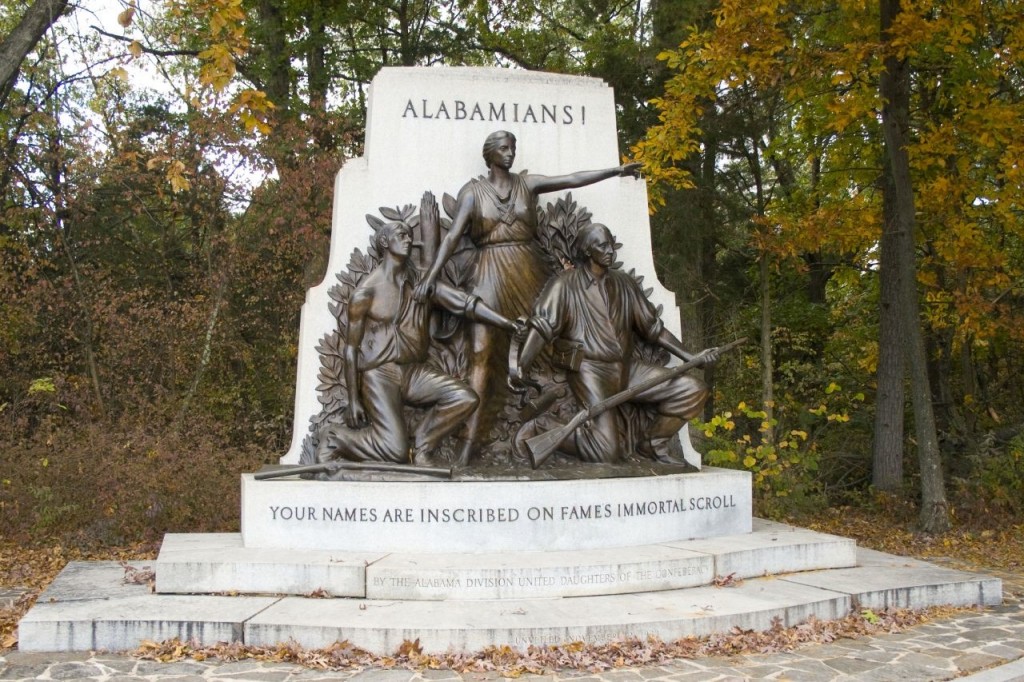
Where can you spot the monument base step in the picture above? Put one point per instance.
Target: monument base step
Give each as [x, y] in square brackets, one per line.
[219, 563]
[88, 607]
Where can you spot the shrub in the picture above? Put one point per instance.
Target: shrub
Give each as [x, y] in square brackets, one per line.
[112, 480]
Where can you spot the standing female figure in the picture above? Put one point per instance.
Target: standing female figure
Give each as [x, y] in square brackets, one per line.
[499, 214]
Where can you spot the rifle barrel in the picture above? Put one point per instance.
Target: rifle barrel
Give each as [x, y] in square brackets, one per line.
[292, 471]
[335, 465]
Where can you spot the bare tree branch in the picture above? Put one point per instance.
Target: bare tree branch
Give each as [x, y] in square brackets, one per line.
[148, 50]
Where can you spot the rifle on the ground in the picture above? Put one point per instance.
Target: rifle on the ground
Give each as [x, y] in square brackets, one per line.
[338, 465]
[542, 445]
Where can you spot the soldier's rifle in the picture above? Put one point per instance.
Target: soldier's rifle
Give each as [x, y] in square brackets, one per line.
[342, 465]
[542, 445]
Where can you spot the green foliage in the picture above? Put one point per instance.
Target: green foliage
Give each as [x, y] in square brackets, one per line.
[816, 440]
[49, 514]
[785, 470]
[773, 110]
[994, 488]
[44, 385]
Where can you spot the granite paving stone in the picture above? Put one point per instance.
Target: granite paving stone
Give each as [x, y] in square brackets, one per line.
[946, 640]
[683, 666]
[932, 629]
[943, 652]
[313, 675]
[255, 675]
[652, 673]
[1006, 608]
[372, 675]
[1003, 651]
[825, 652]
[963, 645]
[22, 672]
[850, 665]
[875, 655]
[622, 676]
[977, 661]
[117, 665]
[146, 668]
[803, 676]
[782, 658]
[763, 672]
[810, 665]
[249, 664]
[448, 675]
[75, 671]
[904, 673]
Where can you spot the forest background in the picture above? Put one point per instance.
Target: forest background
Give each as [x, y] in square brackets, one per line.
[838, 179]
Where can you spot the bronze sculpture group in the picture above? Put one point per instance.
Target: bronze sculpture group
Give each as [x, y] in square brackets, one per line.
[389, 387]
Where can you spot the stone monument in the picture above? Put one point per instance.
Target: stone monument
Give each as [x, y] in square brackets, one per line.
[461, 528]
[540, 155]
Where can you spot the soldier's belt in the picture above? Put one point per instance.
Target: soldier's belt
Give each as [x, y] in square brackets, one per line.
[567, 355]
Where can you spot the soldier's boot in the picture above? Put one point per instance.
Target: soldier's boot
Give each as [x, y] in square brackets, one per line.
[421, 456]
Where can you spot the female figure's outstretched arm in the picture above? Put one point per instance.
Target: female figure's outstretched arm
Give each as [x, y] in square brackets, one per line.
[541, 184]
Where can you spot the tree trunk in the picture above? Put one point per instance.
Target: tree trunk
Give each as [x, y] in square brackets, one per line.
[279, 75]
[58, 189]
[895, 92]
[705, 258]
[949, 418]
[204, 358]
[970, 385]
[318, 77]
[887, 448]
[767, 365]
[820, 269]
[16, 46]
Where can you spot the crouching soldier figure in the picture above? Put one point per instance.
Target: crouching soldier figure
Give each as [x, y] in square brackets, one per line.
[385, 356]
[600, 311]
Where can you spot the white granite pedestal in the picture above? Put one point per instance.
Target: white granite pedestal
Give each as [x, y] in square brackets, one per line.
[492, 516]
[458, 606]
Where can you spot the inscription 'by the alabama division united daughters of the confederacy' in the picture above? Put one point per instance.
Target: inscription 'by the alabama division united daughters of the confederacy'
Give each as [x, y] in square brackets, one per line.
[496, 112]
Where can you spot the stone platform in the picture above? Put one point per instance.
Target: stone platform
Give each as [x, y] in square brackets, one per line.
[88, 607]
[212, 563]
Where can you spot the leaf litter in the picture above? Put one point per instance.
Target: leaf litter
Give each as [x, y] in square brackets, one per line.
[536, 660]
